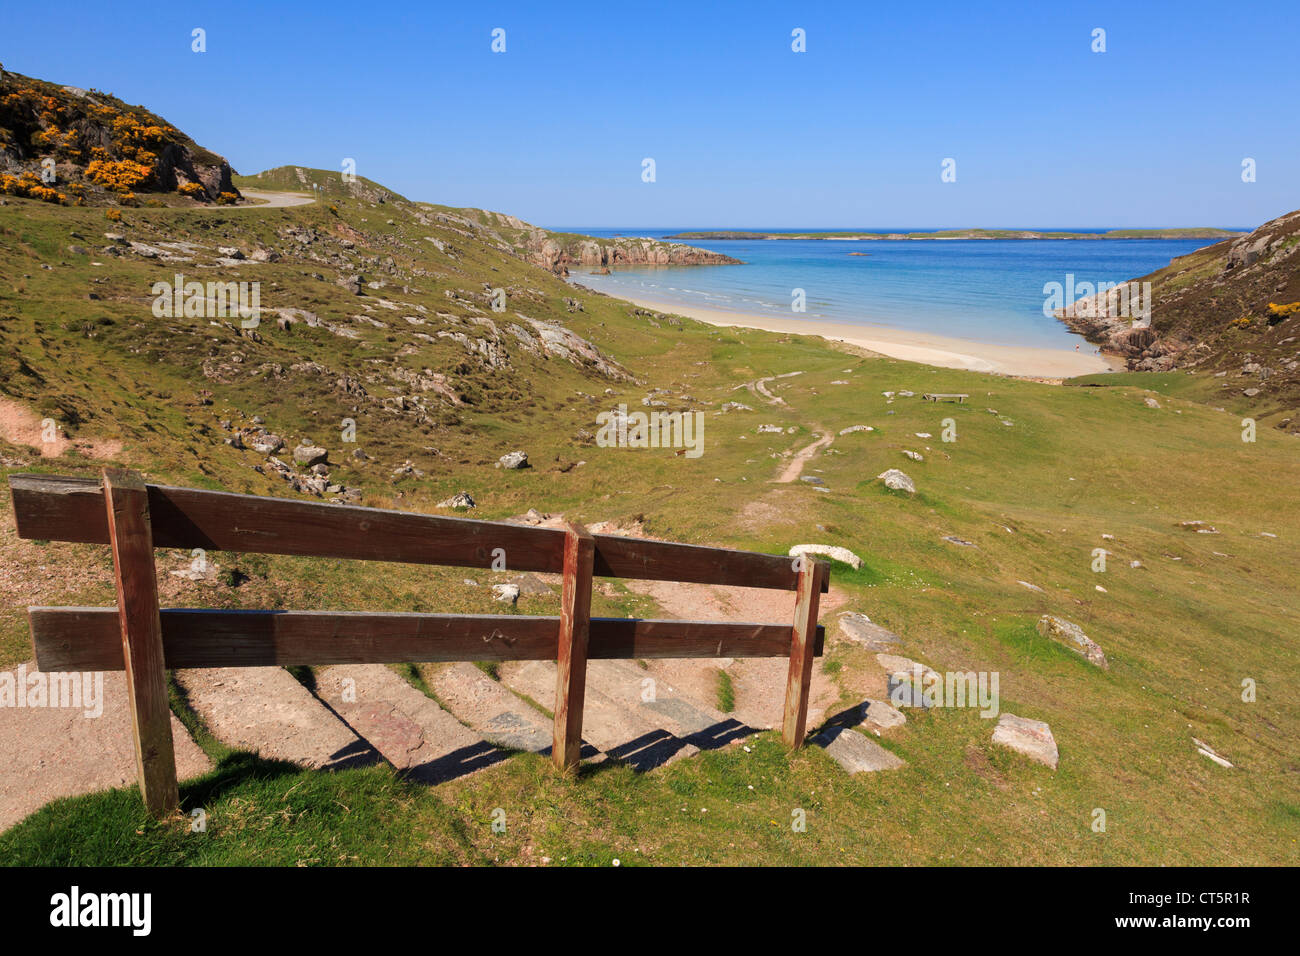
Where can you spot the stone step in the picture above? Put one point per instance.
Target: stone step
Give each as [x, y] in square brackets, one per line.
[760, 683]
[265, 710]
[409, 729]
[855, 752]
[491, 709]
[873, 715]
[51, 752]
[667, 708]
[607, 725]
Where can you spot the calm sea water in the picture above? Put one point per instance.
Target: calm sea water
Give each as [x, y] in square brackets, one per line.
[985, 290]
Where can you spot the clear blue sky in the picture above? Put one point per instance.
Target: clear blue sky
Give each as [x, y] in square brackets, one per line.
[744, 132]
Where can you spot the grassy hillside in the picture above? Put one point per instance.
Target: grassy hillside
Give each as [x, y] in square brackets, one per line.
[1033, 498]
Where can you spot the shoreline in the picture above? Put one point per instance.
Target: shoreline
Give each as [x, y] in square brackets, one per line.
[923, 347]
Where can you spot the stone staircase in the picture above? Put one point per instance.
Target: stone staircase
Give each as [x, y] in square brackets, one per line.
[354, 715]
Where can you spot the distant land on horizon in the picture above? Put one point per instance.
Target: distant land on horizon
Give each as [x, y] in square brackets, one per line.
[1201, 232]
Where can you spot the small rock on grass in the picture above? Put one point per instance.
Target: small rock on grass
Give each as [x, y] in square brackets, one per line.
[505, 593]
[1205, 750]
[1033, 738]
[828, 550]
[859, 629]
[1071, 635]
[897, 481]
[310, 455]
[532, 585]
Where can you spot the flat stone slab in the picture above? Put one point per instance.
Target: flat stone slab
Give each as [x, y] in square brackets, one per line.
[51, 752]
[879, 715]
[409, 729]
[855, 752]
[1205, 750]
[607, 725]
[491, 709]
[875, 716]
[859, 629]
[1033, 738]
[897, 664]
[906, 680]
[692, 721]
[265, 710]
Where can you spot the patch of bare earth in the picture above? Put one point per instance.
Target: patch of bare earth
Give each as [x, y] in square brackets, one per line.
[19, 425]
[779, 507]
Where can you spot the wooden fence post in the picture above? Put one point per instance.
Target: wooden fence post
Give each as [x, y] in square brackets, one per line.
[803, 644]
[131, 540]
[571, 655]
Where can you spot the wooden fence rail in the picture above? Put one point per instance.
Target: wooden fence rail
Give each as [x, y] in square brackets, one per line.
[134, 518]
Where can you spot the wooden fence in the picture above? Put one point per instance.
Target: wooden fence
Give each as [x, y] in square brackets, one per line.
[134, 518]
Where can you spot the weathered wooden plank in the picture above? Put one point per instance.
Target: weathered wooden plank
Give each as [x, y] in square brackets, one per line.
[89, 638]
[812, 576]
[572, 647]
[945, 396]
[72, 509]
[127, 515]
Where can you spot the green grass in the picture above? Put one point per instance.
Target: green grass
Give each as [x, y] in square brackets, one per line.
[726, 701]
[1034, 499]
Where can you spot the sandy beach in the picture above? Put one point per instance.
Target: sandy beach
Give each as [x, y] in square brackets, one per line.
[923, 347]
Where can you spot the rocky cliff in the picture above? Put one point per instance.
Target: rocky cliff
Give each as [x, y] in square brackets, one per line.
[83, 147]
[1232, 308]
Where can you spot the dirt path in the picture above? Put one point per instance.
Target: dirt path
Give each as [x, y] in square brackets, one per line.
[275, 200]
[759, 387]
[794, 468]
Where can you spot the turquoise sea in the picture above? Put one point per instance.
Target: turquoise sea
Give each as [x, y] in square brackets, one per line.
[984, 290]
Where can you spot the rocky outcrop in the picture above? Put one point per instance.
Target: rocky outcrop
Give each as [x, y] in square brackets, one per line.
[1232, 308]
[102, 148]
[558, 253]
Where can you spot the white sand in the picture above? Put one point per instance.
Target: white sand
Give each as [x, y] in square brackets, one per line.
[922, 347]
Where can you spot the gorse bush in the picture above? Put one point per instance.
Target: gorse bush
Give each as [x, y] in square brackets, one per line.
[30, 185]
[115, 146]
[120, 176]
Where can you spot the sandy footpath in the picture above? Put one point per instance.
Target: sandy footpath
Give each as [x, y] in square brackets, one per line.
[922, 347]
